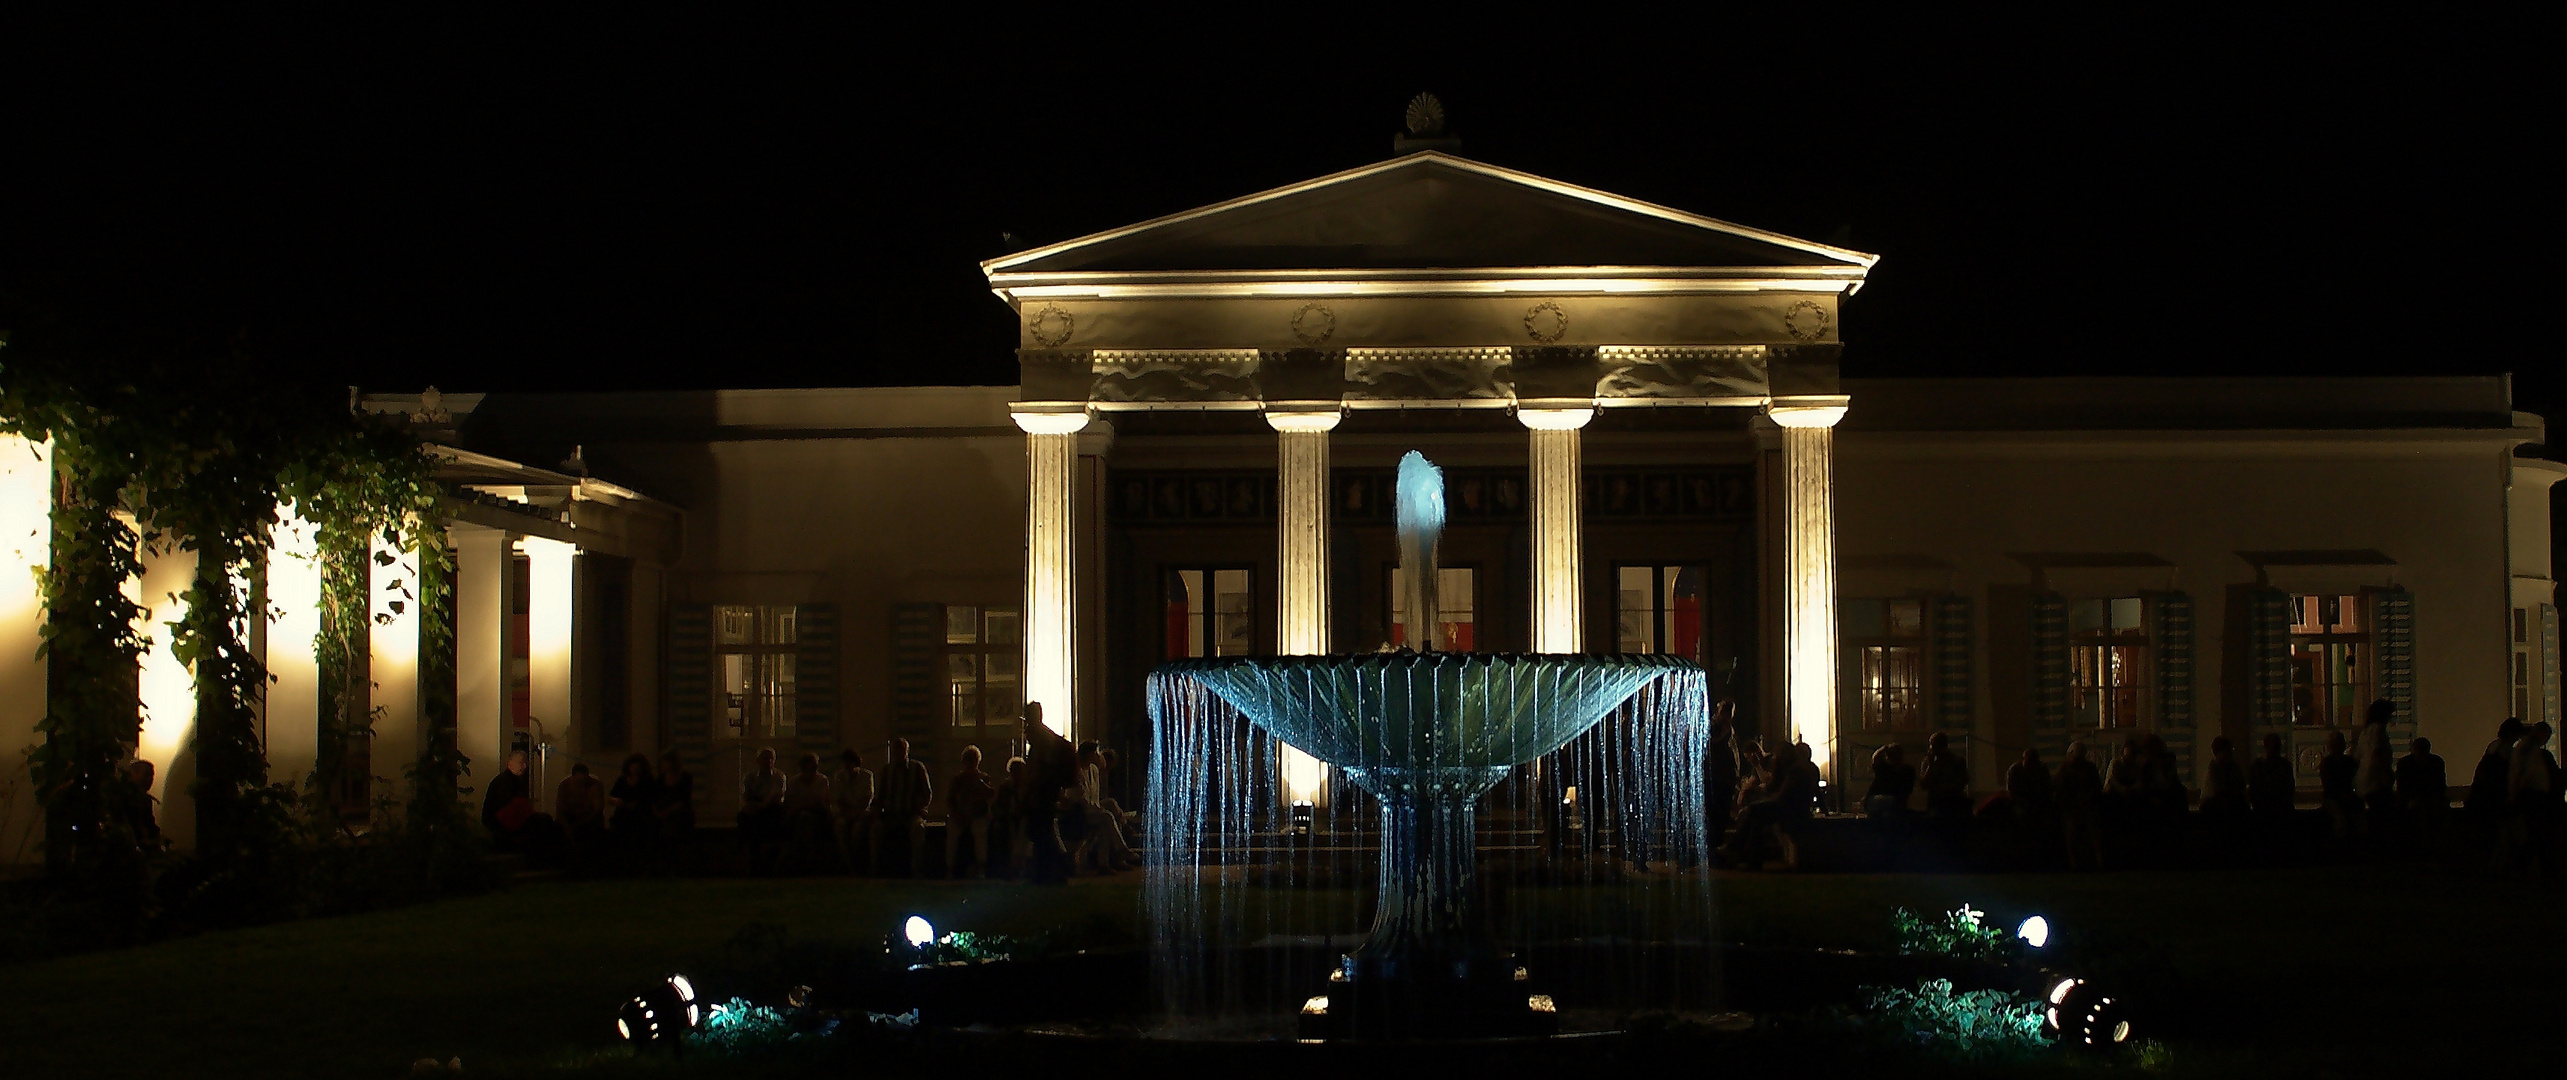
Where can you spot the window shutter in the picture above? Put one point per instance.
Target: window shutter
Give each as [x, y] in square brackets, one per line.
[2170, 633]
[2050, 675]
[1952, 662]
[2549, 663]
[815, 678]
[917, 643]
[690, 680]
[2268, 663]
[2393, 642]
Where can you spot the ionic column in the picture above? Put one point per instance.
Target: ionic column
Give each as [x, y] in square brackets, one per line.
[1051, 612]
[551, 611]
[481, 661]
[26, 546]
[1809, 543]
[293, 667]
[1301, 504]
[1301, 512]
[1558, 550]
[392, 643]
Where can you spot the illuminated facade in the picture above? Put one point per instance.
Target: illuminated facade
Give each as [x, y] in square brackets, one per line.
[1648, 448]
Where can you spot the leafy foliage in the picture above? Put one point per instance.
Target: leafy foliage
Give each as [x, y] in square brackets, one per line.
[1960, 932]
[964, 946]
[1974, 1026]
[171, 441]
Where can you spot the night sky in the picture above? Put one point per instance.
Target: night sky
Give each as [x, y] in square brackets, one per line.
[625, 205]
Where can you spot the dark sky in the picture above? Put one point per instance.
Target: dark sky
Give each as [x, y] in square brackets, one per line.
[627, 204]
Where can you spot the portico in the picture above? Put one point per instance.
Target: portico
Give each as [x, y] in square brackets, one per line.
[1406, 301]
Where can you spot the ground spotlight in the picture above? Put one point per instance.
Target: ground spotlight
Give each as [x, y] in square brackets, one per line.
[919, 931]
[660, 1015]
[2034, 931]
[2084, 1018]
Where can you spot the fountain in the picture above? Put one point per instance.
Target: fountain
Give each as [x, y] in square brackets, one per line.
[1427, 735]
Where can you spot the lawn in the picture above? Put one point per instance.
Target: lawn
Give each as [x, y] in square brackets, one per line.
[2339, 971]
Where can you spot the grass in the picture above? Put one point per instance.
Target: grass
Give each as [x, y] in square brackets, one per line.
[2336, 971]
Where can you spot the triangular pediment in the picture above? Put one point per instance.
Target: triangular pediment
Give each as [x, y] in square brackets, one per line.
[1426, 211]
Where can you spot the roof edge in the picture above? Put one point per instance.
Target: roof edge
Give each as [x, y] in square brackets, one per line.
[1864, 260]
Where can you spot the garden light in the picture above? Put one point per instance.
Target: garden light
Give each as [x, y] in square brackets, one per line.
[919, 931]
[662, 1014]
[2034, 931]
[2084, 1018]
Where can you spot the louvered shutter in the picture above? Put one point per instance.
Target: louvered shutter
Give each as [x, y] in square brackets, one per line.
[2268, 665]
[2549, 663]
[917, 643]
[2050, 675]
[690, 681]
[1952, 629]
[2170, 633]
[815, 678]
[2393, 642]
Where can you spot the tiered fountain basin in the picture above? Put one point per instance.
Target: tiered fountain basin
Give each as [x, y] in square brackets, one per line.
[1427, 734]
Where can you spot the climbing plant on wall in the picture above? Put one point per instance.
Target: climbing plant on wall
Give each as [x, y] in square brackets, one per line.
[172, 443]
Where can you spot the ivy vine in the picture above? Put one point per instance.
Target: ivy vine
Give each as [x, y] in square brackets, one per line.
[171, 443]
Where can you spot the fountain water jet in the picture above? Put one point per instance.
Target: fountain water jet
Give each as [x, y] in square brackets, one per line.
[1427, 735]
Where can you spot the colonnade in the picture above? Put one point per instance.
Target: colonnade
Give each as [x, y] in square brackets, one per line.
[291, 583]
[1555, 466]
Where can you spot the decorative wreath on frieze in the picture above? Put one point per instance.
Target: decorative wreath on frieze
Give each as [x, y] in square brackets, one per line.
[1806, 319]
[1051, 326]
[1314, 324]
[1545, 323]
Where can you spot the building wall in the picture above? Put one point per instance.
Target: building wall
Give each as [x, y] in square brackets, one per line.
[1969, 514]
[890, 496]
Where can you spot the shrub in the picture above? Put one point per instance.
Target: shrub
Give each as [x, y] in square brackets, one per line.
[1956, 933]
[1976, 1026]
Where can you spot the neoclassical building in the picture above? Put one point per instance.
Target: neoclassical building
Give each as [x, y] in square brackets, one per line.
[1648, 447]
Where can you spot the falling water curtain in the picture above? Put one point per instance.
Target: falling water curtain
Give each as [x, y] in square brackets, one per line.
[2170, 638]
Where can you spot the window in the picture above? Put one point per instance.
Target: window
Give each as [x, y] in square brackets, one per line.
[1659, 609]
[1888, 639]
[2107, 661]
[753, 647]
[2330, 661]
[1211, 612]
[1456, 598]
[981, 662]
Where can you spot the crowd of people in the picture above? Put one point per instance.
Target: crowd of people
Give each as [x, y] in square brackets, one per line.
[2136, 810]
[1046, 815]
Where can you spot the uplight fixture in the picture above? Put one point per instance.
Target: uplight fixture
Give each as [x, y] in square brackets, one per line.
[2034, 931]
[661, 1015]
[919, 931]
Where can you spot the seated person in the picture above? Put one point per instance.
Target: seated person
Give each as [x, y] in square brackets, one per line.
[1946, 780]
[2027, 786]
[968, 799]
[674, 800]
[131, 805]
[1893, 781]
[580, 801]
[508, 812]
[807, 812]
[761, 816]
[1763, 826]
